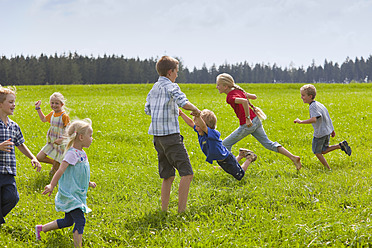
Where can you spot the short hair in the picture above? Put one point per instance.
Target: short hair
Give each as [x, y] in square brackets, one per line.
[4, 92]
[165, 64]
[309, 89]
[209, 118]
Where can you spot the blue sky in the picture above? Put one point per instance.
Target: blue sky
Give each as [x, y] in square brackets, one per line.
[285, 32]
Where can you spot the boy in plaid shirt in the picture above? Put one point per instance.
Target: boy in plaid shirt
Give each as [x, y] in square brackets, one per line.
[10, 136]
[162, 104]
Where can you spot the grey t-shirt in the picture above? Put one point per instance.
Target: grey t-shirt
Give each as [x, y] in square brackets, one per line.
[323, 125]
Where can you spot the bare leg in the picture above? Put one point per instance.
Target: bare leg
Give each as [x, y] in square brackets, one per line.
[295, 159]
[246, 163]
[331, 148]
[42, 157]
[78, 239]
[165, 192]
[50, 226]
[322, 160]
[183, 192]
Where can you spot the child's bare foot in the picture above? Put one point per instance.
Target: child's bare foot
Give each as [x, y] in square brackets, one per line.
[248, 154]
[297, 162]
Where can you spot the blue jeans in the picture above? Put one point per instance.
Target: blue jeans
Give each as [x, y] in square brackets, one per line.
[9, 196]
[256, 130]
[232, 166]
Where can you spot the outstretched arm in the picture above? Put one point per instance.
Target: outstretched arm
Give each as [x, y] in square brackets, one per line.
[200, 122]
[49, 188]
[35, 163]
[38, 109]
[192, 108]
[308, 121]
[250, 96]
[187, 119]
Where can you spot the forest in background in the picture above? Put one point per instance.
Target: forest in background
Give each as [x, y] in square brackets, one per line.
[73, 68]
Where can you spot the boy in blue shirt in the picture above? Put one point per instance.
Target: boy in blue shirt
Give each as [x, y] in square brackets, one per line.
[209, 139]
[322, 124]
[10, 136]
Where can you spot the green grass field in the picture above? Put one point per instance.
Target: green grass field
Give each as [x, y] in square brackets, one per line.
[273, 206]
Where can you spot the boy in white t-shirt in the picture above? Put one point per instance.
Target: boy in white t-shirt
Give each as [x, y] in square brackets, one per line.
[322, 124]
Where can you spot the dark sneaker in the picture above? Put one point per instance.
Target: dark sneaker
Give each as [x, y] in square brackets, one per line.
[345, 147]
[248, 154]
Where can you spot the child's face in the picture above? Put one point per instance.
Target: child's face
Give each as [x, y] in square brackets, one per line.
[8, 105]
[56, 105]
[87, 138]
[305, 97]
[222, 88]
[173, 74]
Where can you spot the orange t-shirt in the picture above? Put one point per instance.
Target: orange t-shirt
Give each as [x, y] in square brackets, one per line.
[65, 117]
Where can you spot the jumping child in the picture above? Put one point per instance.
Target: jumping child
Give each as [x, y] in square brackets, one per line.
[322, 124]
[249, 122]
[52, 152]
[73, 177]
[10, 136]
[205, 124]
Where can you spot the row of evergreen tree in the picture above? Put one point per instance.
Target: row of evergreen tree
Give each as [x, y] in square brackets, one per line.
[73, 68]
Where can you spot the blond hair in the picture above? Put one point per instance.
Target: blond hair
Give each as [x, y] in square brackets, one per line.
[228, 80]
[165, 64]
[73, 130]
[58, 96]
[209, 118]
[309, 89]
[5, 91]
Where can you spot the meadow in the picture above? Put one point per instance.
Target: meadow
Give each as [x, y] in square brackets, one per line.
[273, 206]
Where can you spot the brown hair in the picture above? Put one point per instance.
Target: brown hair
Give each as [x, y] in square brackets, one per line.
[309, 89]
[4, 92]
[165, 64]
[209, 118]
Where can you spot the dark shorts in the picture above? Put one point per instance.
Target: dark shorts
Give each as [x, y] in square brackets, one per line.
[232, 166]
[172, 155]
[320, 144]
[75, 216]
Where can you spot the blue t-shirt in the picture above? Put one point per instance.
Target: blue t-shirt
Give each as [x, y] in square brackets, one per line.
[211, 145]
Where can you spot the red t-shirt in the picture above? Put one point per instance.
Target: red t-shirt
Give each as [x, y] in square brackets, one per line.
[238, 108]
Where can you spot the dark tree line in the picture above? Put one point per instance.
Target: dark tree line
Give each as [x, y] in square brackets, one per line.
[76, 69]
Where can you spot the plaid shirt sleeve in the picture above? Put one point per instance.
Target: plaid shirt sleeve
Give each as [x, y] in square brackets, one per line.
[8, 159]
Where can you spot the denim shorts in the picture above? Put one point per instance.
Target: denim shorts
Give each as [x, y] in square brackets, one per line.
[320, 144]
[232, 166]
[172, 155]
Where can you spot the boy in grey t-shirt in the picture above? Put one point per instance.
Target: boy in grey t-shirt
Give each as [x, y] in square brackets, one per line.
[322, 124]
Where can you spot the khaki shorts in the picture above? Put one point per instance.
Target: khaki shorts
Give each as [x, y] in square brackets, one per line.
[172, 155]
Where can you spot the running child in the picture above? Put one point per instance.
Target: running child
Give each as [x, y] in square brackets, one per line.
[322, 124]
[10, 136]
[52, 152]
[73, 177]
[249, 123]
[205, 124]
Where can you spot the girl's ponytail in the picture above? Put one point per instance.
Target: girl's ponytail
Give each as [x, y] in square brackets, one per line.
[75, 128]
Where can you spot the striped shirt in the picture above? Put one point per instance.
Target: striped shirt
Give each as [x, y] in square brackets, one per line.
[162, 104]
[8, 159]
[323, 125]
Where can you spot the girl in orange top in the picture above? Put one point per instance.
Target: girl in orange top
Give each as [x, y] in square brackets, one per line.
[52, 152]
